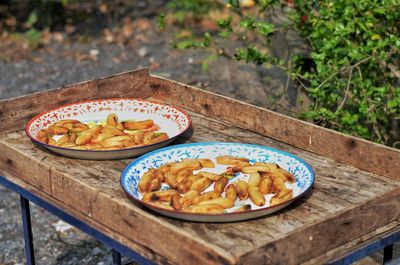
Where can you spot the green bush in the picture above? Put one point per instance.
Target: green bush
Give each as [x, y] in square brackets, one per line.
[354, 78]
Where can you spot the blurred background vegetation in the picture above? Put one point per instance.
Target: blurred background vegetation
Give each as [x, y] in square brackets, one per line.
[346, 76]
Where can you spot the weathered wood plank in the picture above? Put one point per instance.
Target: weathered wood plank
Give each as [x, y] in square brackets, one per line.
[350, 150]
[15, 112]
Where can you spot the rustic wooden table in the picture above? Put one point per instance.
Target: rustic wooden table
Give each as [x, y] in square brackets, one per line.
[355, 200]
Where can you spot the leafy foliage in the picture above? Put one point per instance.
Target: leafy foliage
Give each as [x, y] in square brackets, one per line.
[354, 78]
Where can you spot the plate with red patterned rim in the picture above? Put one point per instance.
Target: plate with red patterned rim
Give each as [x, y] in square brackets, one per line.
[166, 118]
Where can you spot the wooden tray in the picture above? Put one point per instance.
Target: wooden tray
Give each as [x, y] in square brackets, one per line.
[356, 197]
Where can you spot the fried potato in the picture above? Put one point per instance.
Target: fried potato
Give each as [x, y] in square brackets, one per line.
[256, 197]
[230, 160]
[148, 137]
[210, 176]
[112, 119]
[111, 131]
[254, 179]
[86, 136]
[159, 138]
[281, 197]
[201, 184]
[244, 208]
[120, 126]
[206, 163]
[176, 202]
[289, 176]
[191, 164]
[159, 196]
[57, 130]
[43, 136]
[206, 196]
[138, 125]
[256, 169]
[138, 137]
[188, 198]
[278, 185]
[186, 184]
[205, 208]
[144, 182]
[91, 146]
[221, 201]
[242, 189]
[220, 185]
[78, 127]
[64, 139]
[181, 175]
[265, 185]
[165, 168]
[231, 192]
[67, 145]
[171, 180]
[115, 141]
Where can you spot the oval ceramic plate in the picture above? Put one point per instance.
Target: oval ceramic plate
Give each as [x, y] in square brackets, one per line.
[301, 170]
[170, 119]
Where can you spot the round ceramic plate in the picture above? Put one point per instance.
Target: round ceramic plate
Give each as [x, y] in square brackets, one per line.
[171, 120]
[301, 170]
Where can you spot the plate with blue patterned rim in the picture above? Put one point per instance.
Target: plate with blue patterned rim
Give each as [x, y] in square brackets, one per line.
[302, 172]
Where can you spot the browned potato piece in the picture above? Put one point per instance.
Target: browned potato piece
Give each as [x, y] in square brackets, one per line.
[206, 163]
[128, 143]
[92, 146]
[67, 145]
[43, 136]
[112, 119]
[111, 131]
[115, 141]
[188, 198]
[57, 130]
[78, 127]
[289, 176]
[86, 136]
[176, 202]
[210, 176]
[148, 137]
[256, 197]
[254, 179]
[230, 160]
[191, 164]
[220, 185]
[183, 174]
[144, 182]
[100, 138]
[244, 208]
[205, 208]
[159, 138]
[171, 180]
[186, 184]
[278, 185]
[242, 189]
[160, 196]
[64, 139]
[165, 168]
[206, 196]
[72, 137]
[231, 192]
[138, 137]
[120, 126]
[138, 125]
[201, 184]
[221, 201]
[281, 197]
[265, 185]
[256, 169]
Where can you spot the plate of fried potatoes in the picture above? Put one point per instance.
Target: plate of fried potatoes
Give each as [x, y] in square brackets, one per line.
[216, 182]
[108, 128]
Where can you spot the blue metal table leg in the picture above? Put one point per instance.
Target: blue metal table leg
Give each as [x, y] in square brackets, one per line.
[26, 223]
[387, 253]
[116, 256]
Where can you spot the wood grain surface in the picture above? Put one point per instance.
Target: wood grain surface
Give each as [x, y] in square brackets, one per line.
[351, 200]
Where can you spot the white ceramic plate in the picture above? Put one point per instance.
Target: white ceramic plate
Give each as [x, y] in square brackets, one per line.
[170, 119]
[255, 153]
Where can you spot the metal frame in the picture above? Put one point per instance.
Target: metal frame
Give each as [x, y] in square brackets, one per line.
[118, 249]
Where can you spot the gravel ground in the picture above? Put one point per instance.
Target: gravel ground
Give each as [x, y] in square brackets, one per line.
[67, 62]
